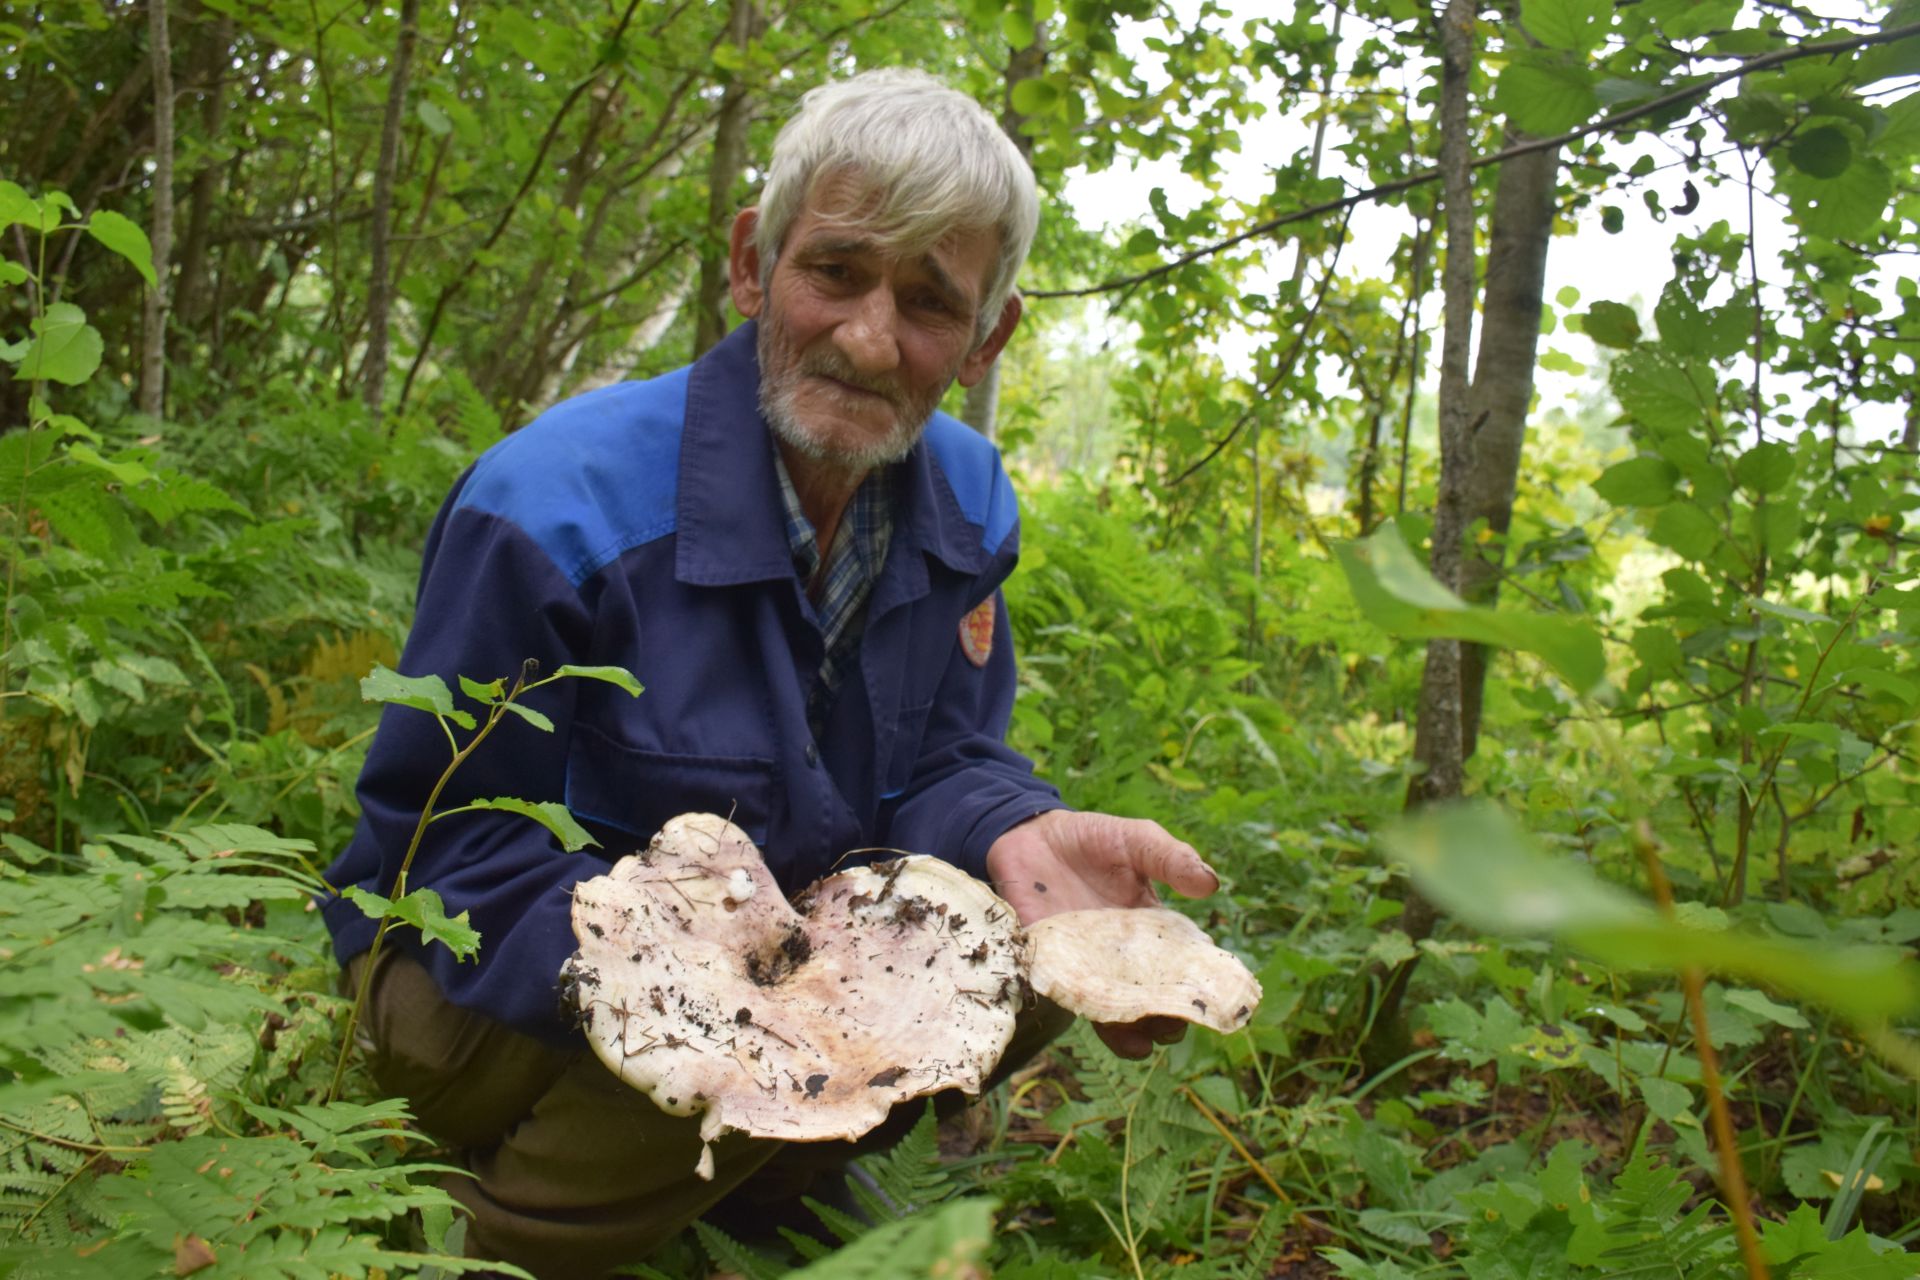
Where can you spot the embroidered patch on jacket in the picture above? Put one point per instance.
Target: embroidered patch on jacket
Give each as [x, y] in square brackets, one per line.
[976, 633]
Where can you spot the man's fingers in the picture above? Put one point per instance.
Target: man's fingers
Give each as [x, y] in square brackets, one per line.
[1163, 1030]
[1137, 1039]
[1172, 862]
[1124, 1038]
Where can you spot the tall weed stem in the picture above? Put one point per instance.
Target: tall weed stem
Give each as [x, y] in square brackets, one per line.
[1733, 1177]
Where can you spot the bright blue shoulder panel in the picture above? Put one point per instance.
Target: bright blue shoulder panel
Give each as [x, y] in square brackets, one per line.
[593, 476]
[973, 470]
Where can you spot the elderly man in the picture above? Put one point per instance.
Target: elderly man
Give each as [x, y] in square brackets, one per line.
[801, 560]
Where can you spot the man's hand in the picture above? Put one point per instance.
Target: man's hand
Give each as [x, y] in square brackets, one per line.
[1067, 861]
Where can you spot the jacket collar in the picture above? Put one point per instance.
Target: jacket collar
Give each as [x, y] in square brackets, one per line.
[731, 527]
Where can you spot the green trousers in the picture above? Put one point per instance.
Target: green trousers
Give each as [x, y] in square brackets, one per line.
[575, 1171]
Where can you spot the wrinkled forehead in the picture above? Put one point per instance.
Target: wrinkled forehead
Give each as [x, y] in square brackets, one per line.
[845, 204]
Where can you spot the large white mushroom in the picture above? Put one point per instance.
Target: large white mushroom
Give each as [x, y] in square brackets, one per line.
[700, 985]
[1122, 966]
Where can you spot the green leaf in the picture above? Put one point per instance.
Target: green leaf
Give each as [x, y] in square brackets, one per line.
[1824, 152]
[1667, 1099]
[548, 813]
[1756, 1002]
[1661, 393]
[124, 236]
[17, 206]
[1612, 220]
[65, 348]
[531, 716]
[1686, 530]
[436, 121]
[488, 693]
[1474, 863]
[612, 675]
[1577, 25]
[1035, 97]
[1844, 207]
[1638, 482]
[1901, 135]
[1611, 324]
[1400, 597]
[1827, 735]
[1017, 27]
[424, 910]
[122, 470]
[1902, 691]
[1792, 613]
[1545, 97]
[1765, 468]
[423, 693]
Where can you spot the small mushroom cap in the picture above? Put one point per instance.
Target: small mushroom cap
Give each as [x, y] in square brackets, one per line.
[700, 985]
[1123, 965]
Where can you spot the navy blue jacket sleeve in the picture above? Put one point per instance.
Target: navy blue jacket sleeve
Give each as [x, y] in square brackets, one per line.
[489, 599]
[968, 786]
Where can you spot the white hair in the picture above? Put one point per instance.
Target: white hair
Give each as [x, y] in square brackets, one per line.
[929, 158]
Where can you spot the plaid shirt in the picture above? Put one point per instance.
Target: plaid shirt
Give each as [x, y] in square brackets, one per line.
[839, 592]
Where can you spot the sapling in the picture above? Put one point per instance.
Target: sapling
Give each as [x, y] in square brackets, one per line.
[422, 908]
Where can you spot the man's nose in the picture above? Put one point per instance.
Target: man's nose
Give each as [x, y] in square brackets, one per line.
[867, 337]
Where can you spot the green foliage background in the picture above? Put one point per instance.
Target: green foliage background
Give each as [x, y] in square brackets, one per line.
[192, 600]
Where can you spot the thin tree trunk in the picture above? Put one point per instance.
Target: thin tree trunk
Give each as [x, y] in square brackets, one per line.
[500, 224]
[1370, 460]
[373, 385]
[1437, 742]
[1523, 208]
[153, 344]
[729, 161]
[210, 70]
[981, 407]
[981, 410]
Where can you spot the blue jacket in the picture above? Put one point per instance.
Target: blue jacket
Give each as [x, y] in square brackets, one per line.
[641, 525]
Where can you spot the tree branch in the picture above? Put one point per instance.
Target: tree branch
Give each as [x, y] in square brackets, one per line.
[1607, 124]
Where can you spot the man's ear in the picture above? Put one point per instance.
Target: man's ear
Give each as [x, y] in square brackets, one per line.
[981, 358]
[743, 265]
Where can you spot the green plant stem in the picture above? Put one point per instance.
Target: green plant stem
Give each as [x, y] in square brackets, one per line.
[1240, 1148]
[98, 1148]
[1780, 1137]
[400, 880]
[27, 1223]
[1733, 1178]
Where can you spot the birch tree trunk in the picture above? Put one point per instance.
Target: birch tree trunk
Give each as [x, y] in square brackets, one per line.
[982, 408]
[373, 386]
[1437, 743]
[153, 340]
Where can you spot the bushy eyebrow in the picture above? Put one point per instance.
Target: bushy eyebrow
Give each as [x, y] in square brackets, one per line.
[853, 246]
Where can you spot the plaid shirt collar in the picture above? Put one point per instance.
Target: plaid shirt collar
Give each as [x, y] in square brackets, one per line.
[840, 587]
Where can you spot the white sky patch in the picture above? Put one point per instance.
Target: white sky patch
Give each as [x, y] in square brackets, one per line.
[1631, 266]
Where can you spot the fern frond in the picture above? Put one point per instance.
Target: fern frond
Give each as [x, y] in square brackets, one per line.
[809, 1249]
[950, 1240]
[910, 1176]
[845, 1227]
[729, 1254]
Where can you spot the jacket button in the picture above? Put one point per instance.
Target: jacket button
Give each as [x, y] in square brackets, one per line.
[813, 755]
